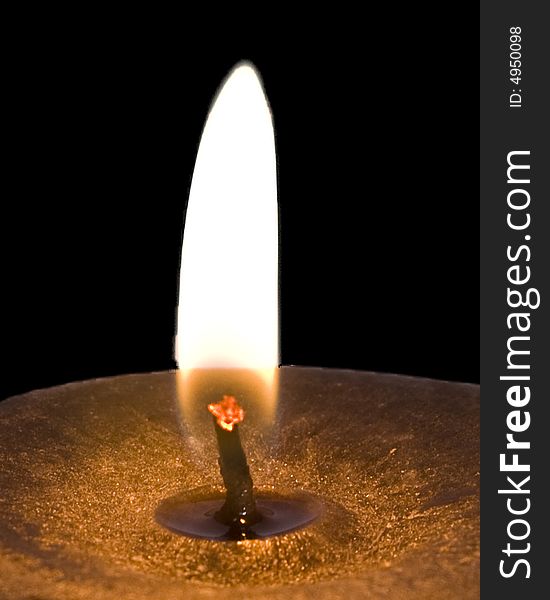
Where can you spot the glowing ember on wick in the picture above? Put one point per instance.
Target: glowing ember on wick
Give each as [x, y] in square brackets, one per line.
[239, 509]
[227, 413]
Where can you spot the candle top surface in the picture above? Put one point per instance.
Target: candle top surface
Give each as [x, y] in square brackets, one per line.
[85, 466]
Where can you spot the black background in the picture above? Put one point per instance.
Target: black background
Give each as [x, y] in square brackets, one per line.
[378, 195]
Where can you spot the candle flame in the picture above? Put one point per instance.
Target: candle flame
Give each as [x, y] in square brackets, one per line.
[227, 316]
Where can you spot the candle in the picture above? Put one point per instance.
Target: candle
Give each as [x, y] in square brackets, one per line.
[374, 476]
[394, 460]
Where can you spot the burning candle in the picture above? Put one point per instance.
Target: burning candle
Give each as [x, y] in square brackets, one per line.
[227, 340]
[382, 470]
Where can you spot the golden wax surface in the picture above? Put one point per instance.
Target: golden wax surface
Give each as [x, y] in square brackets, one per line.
[395, 461]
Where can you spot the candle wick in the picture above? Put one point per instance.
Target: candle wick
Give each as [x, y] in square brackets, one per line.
[239, 509]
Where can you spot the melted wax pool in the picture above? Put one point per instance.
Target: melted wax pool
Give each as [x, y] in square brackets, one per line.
[280, 515]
